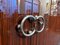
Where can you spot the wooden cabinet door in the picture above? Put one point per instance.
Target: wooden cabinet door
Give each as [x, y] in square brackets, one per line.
[52, 32]
[11, 37]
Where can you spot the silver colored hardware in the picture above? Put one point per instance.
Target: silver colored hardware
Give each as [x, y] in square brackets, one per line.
[22, 23]
[42, 23]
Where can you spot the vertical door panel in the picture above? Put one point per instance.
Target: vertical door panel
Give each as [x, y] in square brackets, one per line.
[52, 34]
[1, 13]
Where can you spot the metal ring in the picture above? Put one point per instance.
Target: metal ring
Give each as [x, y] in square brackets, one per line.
[22, 23]
[37, 17]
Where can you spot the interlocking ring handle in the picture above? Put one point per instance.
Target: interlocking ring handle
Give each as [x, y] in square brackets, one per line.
[38, 20]
[22, 25]
[41, 23]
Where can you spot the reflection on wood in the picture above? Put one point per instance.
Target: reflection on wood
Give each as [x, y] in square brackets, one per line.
[52, 35]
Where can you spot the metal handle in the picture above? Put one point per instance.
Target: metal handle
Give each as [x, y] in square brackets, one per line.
[33, 29]
[40, 23]
[22, 23]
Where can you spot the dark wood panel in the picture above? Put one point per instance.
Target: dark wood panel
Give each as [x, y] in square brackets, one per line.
[52, 35]
[1, 13]
[5, 31]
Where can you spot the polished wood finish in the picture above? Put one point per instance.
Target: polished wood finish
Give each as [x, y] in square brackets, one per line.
[52, 34]
[9, 36]
[1, 13]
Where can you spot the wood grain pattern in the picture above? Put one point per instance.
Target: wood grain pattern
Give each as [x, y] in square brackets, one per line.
[1, 13]
[52, 35]
[48, 37]
[9, 36]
